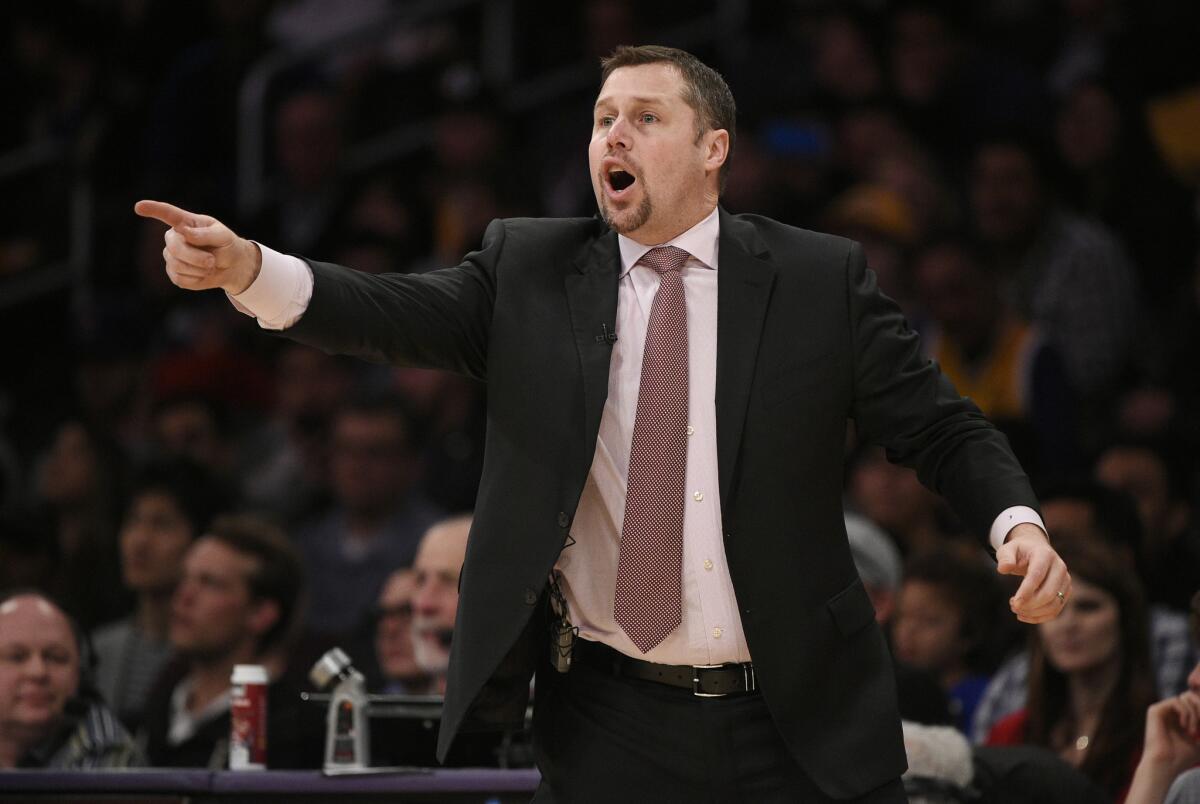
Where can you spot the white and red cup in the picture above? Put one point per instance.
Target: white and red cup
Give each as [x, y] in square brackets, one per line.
[248, 718]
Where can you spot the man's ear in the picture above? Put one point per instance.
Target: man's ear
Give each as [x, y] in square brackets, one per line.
[716, 149]
[263, 616]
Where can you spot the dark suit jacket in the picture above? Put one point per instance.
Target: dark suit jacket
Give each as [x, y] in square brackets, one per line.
[805, 341]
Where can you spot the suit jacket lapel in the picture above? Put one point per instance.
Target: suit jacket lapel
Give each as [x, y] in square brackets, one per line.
[744, 283]
[592, 299]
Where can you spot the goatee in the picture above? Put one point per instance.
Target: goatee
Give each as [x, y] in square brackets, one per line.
[630, 224]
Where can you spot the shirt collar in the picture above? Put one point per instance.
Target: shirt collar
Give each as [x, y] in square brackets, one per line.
[700, 241]
[183, 723]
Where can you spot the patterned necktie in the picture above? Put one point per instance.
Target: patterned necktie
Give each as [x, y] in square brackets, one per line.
[649, 596]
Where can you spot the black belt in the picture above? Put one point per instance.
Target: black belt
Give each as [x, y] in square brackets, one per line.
[704, 681]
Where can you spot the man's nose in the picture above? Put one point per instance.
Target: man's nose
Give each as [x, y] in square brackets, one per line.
[424, 600]
[36, 666]
[618, 134]
[183, 593]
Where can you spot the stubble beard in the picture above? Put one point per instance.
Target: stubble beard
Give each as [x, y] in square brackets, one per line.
[629, 221]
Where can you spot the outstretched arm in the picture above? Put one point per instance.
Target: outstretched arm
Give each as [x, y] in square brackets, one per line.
[436, 320]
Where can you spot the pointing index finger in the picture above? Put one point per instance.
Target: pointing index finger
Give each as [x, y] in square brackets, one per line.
[169, 214]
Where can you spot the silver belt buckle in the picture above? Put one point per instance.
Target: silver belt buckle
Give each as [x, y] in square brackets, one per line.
[696, 668]
[749, 681]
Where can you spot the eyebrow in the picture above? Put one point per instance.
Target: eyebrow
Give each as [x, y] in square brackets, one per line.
[637, 99]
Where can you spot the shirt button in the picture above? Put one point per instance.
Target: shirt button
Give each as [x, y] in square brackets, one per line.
[691, 430]
[717, 633]
[708, 564]
[698, 496]
[563, 519]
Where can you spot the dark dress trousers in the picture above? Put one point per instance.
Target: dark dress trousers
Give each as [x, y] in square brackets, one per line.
[805, 341]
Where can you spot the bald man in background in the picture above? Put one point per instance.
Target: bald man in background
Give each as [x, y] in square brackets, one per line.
[436, 570]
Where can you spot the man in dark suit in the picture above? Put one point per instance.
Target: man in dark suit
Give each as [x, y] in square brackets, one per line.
[668, 448]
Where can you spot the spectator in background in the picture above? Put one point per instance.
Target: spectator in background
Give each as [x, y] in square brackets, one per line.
[1064, 273]
[376, 519]
[893, 498]
[914, 175]
[80, 482]
[453, 420]
[845, 66]
[1113, 175]
[998, 361]
[435, 600]
[285, 463]
[878, 563]
[470, 181]
[882, 221]
[109, 379]
[171, 504]
[1090, 674]
[394, 653]
[308, 198]
[195, 428]
[1169, 554]
[420, 666]
[920, 695]
[239, 601]
[946, 623]
[1172, 744]
[50, 716]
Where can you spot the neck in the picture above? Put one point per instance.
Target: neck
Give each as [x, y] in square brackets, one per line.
[365, 522]
[657, 233]
[154, 614]
[210, 679]
[1088, 691]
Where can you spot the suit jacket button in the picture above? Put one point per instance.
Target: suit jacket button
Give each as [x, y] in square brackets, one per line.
[531, 596]
[563, 519]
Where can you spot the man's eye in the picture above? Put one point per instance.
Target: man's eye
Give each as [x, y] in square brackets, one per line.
[649, 118]
[605, 121]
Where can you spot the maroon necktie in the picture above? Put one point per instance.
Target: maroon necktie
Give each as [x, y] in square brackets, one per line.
[649, 595]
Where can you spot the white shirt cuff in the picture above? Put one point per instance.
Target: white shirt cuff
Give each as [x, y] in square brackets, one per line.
[1009, 518]
[280, 293]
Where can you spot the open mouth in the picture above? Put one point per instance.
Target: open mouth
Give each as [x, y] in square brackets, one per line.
[620, 180]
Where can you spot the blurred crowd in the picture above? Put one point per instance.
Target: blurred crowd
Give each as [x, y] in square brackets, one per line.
[180, 492]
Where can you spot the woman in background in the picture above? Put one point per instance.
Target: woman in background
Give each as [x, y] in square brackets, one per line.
[1090, 678]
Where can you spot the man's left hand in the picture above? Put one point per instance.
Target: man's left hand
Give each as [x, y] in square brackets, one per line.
[1047, 585]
